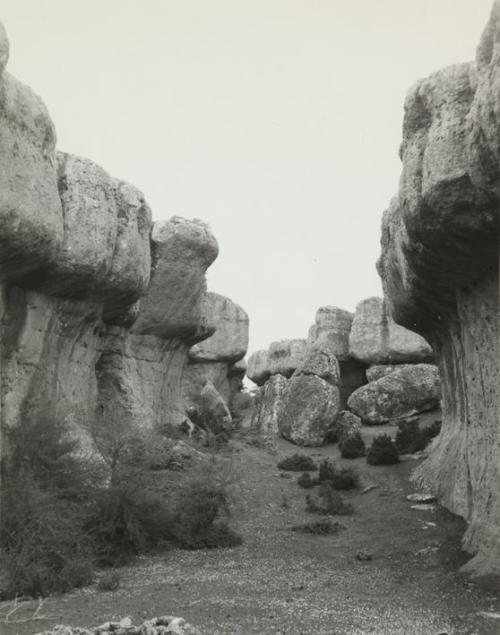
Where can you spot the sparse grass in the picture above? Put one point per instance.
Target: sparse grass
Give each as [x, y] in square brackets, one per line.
[352, 447]
[297, 463]
[383, 451]
[323, 527]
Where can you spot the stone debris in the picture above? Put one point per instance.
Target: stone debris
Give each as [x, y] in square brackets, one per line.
[164, 625]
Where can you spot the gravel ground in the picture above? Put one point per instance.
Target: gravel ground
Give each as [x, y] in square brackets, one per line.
[283, 582]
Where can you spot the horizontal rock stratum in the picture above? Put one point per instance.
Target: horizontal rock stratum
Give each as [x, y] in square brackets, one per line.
[99, 307]
[439, 267]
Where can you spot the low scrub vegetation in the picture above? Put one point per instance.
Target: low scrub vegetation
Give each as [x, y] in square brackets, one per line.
[64, 514]
[328, 502]
[323, 527]
[383, 451]
[297, 463]
[306, 481]
[352, 447]
[341, 479]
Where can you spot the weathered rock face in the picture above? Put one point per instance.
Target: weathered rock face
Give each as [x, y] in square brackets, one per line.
[268, 406]
[182, 250]
[376, 339]
[286, 355]
[382, 370]
[259, 369]
[218, 359]
[229, 342]
[320, 360]
[333, 325]
[98, 310]
[439, 266]
[346, 425]
[217, 416]
[412, 388]
[309, 410]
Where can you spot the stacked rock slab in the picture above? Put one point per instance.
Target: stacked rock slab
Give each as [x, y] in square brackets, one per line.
[311, 401]
[440, 272]
[98, 307]
[219, 358]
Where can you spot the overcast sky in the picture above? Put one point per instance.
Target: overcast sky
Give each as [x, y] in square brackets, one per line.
[276, 121]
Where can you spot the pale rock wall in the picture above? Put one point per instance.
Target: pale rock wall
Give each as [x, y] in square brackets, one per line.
[439, 267]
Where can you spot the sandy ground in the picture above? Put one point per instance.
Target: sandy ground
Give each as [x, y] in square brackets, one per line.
[282, 582]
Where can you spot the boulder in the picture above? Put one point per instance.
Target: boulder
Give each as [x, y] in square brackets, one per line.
[346, 425]
[411, 389]
[229, 343]
[381, 370]
[376, 339]
[439, 266]
[214, 410]
[310, 407]
[286, 355]
[333, 325]
[320, 360]
[268, 406]
[259, 369]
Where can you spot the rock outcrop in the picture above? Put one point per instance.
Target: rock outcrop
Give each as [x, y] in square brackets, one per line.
[440, 272]
[259, 369]
[218, 359]
[268, 406]
[286, 355]
[332, 324]
[376, 339]
[405, 391]
[99, 308]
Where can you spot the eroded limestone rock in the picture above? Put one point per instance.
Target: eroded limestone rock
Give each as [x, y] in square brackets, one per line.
[333, 325]
[439, 266]
[268, 406]
[412, 388]
[259, 369]
[286, 355]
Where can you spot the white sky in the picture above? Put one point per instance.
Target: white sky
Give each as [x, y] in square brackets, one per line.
[276, 121]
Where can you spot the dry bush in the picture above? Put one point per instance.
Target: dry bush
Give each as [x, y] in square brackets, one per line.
[383, 451]
[297, 463]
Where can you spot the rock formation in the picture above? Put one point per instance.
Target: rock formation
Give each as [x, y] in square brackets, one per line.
[440, 272]
[259, 369]
[268, 406]
[376, 339]
[411, 389]
[99, 308]
[218, 359]
[285, 355]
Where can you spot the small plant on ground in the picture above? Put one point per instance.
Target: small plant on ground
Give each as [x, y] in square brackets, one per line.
[109, 581]
[409, 438]
[306, 481]
[323, 527]
[342, 479]
[352, 446]
[297, 463]
[328, 502]
[383, 451]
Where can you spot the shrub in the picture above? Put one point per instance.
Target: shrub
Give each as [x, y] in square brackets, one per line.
[109, 581]
[297, 463]
[383, 451]
[323, 527]
[352, 446]
[341, 479]
[44, 547]
[306, 481]
[409, 438]
[328, 501]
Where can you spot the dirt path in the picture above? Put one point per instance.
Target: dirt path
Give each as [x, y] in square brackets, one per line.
[283, 582]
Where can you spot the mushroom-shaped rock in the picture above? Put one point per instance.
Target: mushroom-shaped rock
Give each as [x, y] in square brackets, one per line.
[439, 267]
[310, 408]
[229, 342]
[286, 355]
[259, 369]
[334, 325]
[173, 305]
[376, 339]
[413, 388]
[105, 251]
